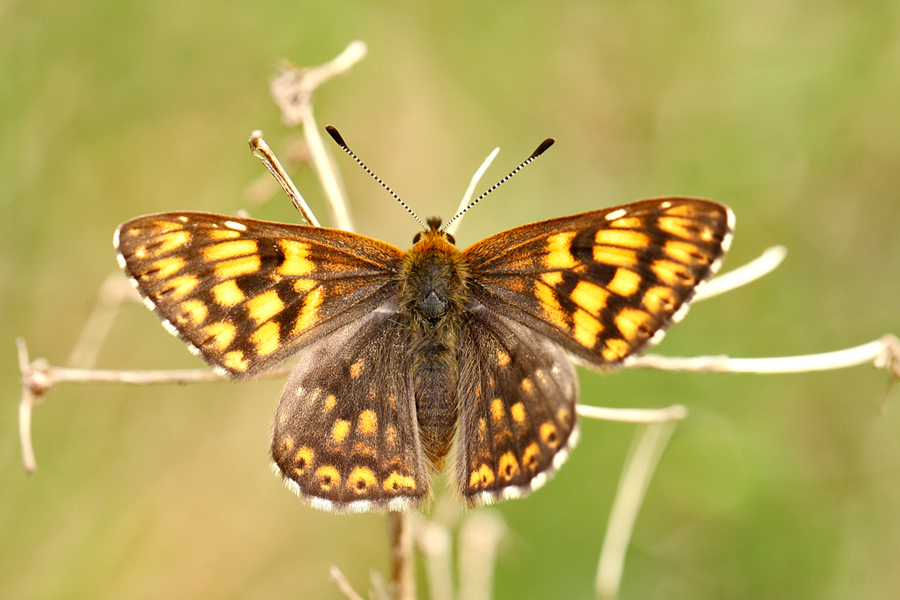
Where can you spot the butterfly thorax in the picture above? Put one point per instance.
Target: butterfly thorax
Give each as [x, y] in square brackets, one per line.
[432, 296]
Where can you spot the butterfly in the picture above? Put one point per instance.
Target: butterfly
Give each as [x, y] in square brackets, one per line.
[408, 358]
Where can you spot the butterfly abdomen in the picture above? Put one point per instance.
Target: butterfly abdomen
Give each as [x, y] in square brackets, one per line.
[432, 292]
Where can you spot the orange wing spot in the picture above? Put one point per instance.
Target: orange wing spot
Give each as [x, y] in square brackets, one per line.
[267, 338]
[706, 234]
[531, 455]
[303, 459]
[356, 368]
[679, 226]
[367, 424]
[179, 287]
[630, 322]
[552, 309]
[395, 482]
[363, 449]
[613, 255]
[659, 300]
[629, 223]
[672, 273]
[195, 311]
[237, 267]
[232, 249]
[221, 335]
[481, 477]
[287, 442]
[302, 286]
[552, 278]
[328, 478]
[558, 251]
[624, 282]
[228, 293]
[339, 430]
[527, 386]
[263, 307]
[683, 210]
[361, 479]
[502, 358]
[622, 237]
[390, 435]
[508, 466]
[309, 311]
[166, 267]
[296, 262]
[330, 401]
[482, 429]
[590, 296]
[548, 435]
[585, 328]
[616, 349]
[170, 241]
[683, 252]
[497, 411]
[517, 411]
[223, 234]
[235, 361]
[157, 227]
[564, 415]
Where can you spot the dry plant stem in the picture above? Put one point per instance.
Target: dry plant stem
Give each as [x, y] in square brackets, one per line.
[479, 538]
[470, 191]
[767, 262]
[113, 292]
[883, 353]
[261, 150]
[402, 575]
[647, 447]
[434, 543]
[676, 412]
[292, 90]
[339, 580]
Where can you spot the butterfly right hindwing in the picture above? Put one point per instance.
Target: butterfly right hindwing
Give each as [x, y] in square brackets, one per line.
[345, 435]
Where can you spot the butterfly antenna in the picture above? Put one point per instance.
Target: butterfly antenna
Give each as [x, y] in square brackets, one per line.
[540, 150]
[339, 140]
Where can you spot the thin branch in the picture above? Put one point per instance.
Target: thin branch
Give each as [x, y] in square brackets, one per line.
[261, 150]
[883, 353]
[402, 575]
[676, 412]
[113, 292]
[470, 191]
[292, 90]
[767, 262]
[436, 546]
[340, 581]
[479, 539]
[646, 449]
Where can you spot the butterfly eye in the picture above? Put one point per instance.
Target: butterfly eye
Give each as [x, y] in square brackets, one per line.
[417, 238]
[450, 239]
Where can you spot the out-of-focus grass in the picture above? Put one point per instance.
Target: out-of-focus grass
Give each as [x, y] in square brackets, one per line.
[775, 487]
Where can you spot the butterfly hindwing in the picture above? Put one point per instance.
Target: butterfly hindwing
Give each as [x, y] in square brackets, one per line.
[517, 416]
[247, 294]
[605, 284]
[345, 435]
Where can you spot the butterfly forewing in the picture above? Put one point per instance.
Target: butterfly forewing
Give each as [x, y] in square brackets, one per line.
[345, 435]
[246, 294]
[603, 284]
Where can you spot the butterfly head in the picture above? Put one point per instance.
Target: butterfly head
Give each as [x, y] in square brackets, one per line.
[433, 232]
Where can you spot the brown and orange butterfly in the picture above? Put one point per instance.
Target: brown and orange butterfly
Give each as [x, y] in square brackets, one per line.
[405, 356]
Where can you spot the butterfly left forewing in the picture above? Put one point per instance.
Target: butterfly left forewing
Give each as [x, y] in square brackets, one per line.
[603, 284]
[246, 294]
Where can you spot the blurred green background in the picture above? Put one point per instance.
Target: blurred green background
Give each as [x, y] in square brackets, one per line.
[775, 487]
